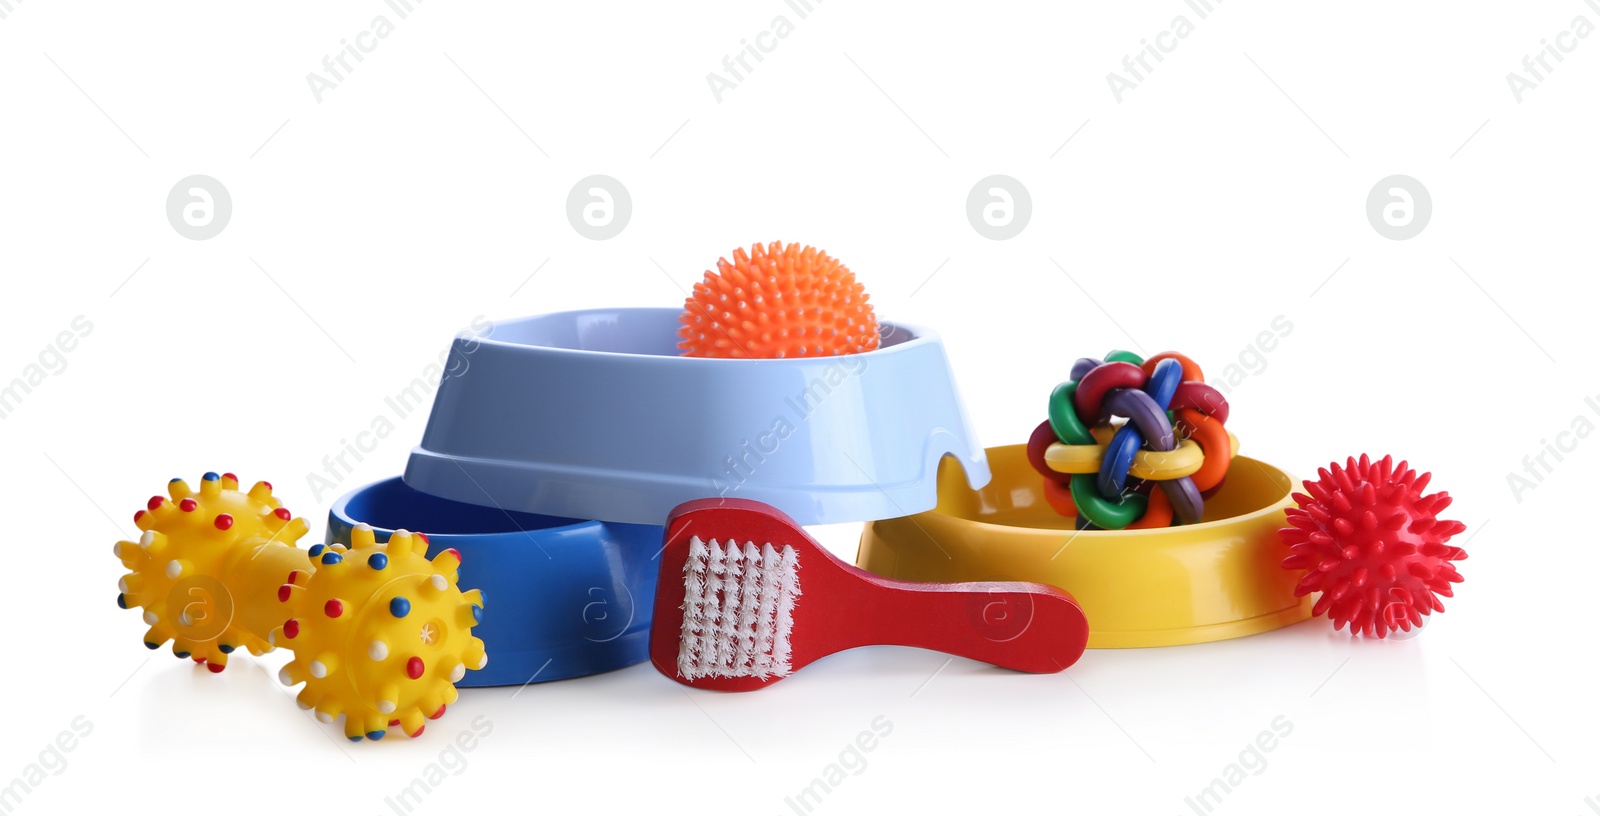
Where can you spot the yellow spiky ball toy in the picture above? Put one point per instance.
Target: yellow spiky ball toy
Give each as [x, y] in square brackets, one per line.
[381, 634]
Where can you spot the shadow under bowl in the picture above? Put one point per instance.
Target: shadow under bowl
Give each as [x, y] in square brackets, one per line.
[1213, 580]
[562, 597]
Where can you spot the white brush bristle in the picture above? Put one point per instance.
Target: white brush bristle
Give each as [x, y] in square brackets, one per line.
[738, 609]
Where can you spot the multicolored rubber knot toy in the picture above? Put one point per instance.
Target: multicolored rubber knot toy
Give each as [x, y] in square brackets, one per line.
[1173, 437]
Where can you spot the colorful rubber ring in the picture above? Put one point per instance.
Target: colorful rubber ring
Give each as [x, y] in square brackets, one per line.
[1147, 424]
[1185, 499]
[1102, 512]
[1113, 476]
[1163, 383]
[1059, 496]
[1202, 398]
[1042, 439]
[1068, 459]
[1214, 441]
[1064, 418]
[1082, 366]
[1157, 514]
[1191, 369]
[1120, 356]
[1145, 412]
[1208, 493]
[1161, 466]
[1156, 466]
[1093, 387]
[1160, 387]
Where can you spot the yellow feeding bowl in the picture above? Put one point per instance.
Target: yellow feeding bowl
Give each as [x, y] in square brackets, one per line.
[1197, 583]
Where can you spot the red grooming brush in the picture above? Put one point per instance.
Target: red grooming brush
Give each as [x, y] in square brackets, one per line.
[746, 597]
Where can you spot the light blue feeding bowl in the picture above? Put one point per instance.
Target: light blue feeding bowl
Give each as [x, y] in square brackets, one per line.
[562, 598]
[593, 414]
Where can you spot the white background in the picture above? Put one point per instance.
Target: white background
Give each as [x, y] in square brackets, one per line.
[1228, 188]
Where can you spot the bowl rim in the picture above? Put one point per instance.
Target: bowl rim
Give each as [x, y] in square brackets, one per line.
[340, 513]
[919, 336]
[1013, 531]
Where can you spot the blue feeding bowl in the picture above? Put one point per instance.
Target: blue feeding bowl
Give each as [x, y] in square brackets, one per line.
[563, 598]
[593, 414]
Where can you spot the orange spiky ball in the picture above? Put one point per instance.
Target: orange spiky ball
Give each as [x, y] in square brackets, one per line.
[780, 300]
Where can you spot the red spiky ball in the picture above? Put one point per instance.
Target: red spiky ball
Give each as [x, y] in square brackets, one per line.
[1373, 545]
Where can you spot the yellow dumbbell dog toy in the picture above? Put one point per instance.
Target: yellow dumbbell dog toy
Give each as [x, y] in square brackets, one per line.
[380, 633]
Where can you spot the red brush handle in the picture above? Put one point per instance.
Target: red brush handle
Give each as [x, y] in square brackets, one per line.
[1014, 625]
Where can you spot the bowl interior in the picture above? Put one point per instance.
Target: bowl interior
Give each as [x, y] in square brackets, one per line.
[391, 505]
[651, 332]
[1013, 498]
